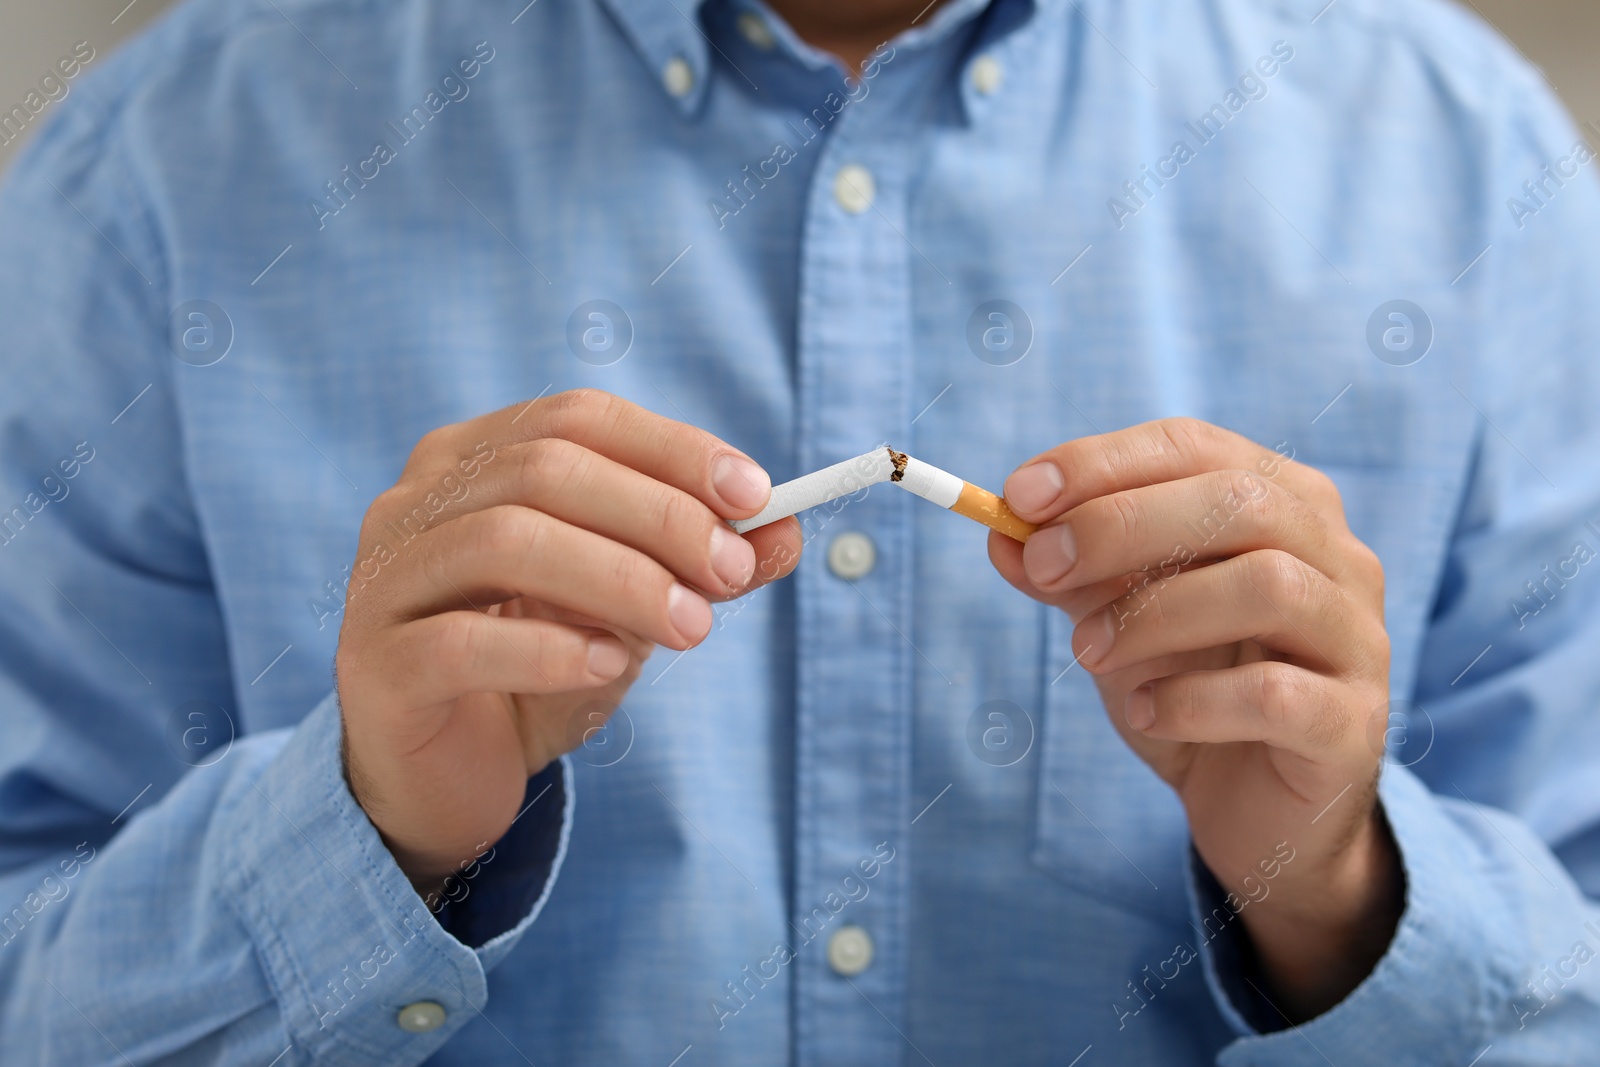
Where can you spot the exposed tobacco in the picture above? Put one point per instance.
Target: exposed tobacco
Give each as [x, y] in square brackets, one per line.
[899, 461]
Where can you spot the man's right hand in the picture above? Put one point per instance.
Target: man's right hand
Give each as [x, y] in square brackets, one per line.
[589, 531]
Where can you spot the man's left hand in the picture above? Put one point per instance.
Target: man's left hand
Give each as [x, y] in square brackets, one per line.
[1234, 627]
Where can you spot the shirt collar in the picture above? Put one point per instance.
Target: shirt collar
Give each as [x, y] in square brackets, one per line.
[665, 33]
[670, 37]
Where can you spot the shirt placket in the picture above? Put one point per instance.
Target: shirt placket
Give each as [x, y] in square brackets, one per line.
[854, 658]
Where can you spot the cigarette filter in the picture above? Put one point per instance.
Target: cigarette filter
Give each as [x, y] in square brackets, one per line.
[819, 487]
[961, 497]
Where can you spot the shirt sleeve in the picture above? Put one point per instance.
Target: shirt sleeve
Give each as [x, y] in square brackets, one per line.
[171, 892]
[1494, 795]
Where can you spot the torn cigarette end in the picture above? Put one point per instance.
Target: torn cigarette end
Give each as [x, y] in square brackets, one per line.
[978, 503]
[899, 461]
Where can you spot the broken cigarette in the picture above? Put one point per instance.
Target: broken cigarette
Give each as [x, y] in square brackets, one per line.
[961, 497]
[887, 465]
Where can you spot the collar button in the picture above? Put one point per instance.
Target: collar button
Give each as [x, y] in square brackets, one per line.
[678, 77]
[756, 31]
[987, 74]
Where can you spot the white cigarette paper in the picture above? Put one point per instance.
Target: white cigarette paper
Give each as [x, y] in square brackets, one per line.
[819, 487]
[931, 483]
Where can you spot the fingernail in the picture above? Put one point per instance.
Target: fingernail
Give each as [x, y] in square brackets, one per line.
[1035, 487]
[607, 657]
[1049, 554]
[740, 483]
[1140, 709]
[1099, 634]
[732, 558]
[689, 612]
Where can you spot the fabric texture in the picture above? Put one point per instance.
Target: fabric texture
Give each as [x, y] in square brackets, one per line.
[393, 216]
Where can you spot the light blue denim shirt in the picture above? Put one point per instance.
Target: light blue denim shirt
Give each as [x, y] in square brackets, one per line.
[260, 252]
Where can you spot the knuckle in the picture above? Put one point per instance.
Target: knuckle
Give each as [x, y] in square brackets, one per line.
[1292, 702]
[428, 445]
[391, 501]
[1322, 491]
[507, 529]
[1157, 607]
[1382, 649]
[1237, 503]
[1180, 706]
[452, 639]
[1302, 522]
[621, 568]
[1080, 453]
[1276, 694]
[628, 570]
[695, 444]
[1259, 502]
[1321, 485]
[1368, 565]
[574, 407]
[1184, 436]
[1278, 576]
[1126, 518]
[549, 466]
[1141, 605]
[595, 401]
[684, 520]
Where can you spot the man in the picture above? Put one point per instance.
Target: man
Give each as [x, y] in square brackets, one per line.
[436, 343]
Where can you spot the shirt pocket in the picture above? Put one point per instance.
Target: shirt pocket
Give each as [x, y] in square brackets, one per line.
[1104, 823]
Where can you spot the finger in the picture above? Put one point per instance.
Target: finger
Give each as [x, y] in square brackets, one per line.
[1169, 526]
[1077, 601]
[1276, 703]
[1268, 596]
[522, 608]
[590, 490]
[777, 546]
[699, 463]
[586, 489]
[507, 551]
[441, 657]
[1066, 476]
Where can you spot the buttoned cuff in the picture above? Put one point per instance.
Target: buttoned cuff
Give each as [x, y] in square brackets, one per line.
[1429, 999]
[344, 939]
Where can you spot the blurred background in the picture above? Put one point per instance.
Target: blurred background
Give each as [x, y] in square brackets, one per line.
[1560, 36]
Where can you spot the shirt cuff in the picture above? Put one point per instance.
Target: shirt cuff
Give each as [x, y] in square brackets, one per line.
[344, 939]
[495, 894]
[1430, 998]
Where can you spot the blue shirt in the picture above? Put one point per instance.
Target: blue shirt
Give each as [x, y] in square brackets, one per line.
[261, 251]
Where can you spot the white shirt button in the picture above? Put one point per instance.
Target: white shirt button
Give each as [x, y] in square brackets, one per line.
[849, 951]
[852, 555]
[854, 188]
[678, 76]
[421, 1017]
[987, 74]
[756, 30]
